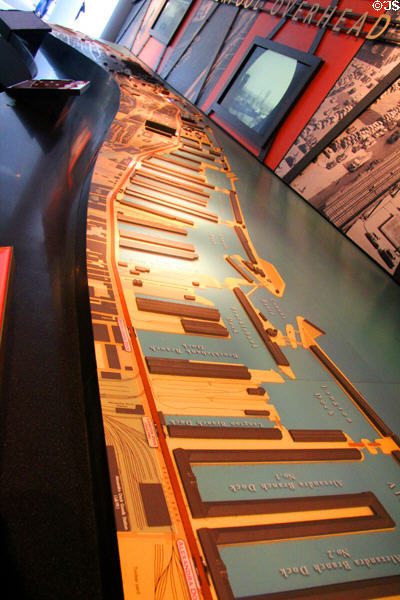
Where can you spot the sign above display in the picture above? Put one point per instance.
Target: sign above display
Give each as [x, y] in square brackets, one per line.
[340, 21]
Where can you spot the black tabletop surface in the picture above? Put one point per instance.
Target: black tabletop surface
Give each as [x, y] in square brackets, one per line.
[56, 521]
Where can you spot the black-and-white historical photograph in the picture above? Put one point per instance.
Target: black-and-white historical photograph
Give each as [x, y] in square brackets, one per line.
[368, 68]
[355, 181]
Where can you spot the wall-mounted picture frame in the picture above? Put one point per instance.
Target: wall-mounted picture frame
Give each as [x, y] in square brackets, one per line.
[169, 19]
[264, 88]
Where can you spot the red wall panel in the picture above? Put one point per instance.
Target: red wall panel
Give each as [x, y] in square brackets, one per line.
[336, 50]
[151, 52]
[169, 50]
[151, 13]
[5, 273]
[261, 27]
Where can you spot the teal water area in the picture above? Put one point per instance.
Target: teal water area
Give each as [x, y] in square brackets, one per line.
[219, 203]
[243, 347]
[211, 242]
[328, 280]
[281, 566]
[295, 564]
[279, 311]
[315, 400]
[349, 354]
[306, 404]
[239, 482]
[304, 364]
[218, 178]
[383, 397]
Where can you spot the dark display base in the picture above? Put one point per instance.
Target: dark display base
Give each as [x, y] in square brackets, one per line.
[56, 541]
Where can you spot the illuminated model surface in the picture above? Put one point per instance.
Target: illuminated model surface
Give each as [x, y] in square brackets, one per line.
[244, 461]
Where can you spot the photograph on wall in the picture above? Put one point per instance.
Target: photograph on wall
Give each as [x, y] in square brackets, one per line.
[355, 181]
[255, 105]
[377, 230]
[240, 28]
[189, 74]
[253, 97]
[169, 19]
[371, 64]
[199, 16]
[152, 10]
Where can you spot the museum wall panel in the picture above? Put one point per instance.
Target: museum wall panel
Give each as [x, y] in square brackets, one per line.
[204, 50]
